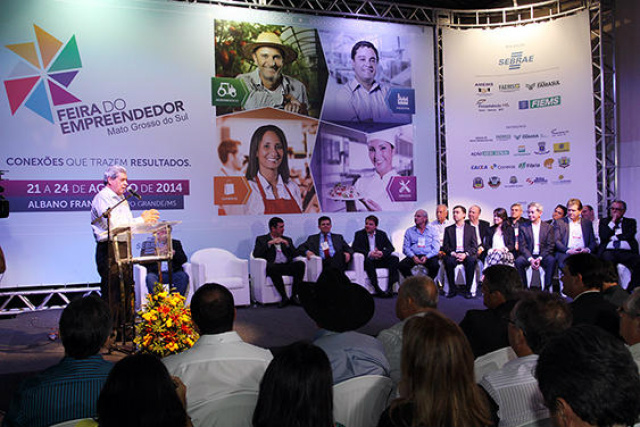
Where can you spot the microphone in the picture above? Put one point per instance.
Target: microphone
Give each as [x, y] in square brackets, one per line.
[134, 194]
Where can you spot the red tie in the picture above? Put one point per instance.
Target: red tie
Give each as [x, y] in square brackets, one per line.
[327, 254]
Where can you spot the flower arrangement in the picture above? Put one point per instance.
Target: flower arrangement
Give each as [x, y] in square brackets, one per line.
[166, 326]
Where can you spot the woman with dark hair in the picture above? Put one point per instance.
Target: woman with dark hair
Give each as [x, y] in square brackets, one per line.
[438, 387]
[272, 190]
[296, 390]
[139, 392]
[500, 241]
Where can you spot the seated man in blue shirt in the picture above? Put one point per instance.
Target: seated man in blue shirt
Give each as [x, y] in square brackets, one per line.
[421, 247]
[70, 389]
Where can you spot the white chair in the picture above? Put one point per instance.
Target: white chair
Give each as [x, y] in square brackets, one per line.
[223, 267]
[358, 402]
[459, 277]
[80, 422]
[530, 277]
[383, 278]
[235, 410]
[262, 289]
[624, 276]
[355, 269]
[493, 361]
[140, 280]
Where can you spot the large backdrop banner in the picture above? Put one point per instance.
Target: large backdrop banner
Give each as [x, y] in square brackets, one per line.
[213, 111]
[519, 114]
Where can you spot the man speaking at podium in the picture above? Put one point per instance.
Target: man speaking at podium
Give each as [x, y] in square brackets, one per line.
[115, 180]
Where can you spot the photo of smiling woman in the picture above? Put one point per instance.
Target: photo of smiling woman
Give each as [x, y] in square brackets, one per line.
[272, 190]
[372, 188]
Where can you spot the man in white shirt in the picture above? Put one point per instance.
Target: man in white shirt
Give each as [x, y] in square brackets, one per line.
[219, 363]
[535, 319]
[417, 295]
[574, 234]
[112, 194]
[442, 221]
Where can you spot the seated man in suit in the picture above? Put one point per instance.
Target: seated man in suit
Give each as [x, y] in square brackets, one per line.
[536, 242]
[156, 246]
[481, 226]
[486, 330]
[618, 242]
[574, 234]
[377, 250]
[459, 247]
[279, 251]
[582, 277]
[331, 247]
[516, 220]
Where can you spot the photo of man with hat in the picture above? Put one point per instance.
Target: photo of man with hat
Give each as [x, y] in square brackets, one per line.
[339, 307]
[268, 86]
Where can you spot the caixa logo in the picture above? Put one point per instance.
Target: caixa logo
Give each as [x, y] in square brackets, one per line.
[515, 61]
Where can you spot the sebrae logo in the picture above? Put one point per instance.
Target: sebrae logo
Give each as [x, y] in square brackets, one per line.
[40, 81]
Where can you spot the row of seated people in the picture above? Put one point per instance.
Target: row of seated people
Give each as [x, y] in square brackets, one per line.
[428, 359]
[524, 243]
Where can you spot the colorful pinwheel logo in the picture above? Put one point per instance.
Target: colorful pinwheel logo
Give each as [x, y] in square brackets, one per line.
[41, 80]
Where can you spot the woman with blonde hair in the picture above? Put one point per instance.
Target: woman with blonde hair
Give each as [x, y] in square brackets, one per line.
[438, 387]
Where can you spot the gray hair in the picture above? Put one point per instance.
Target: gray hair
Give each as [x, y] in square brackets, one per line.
[421, 289]
[537, 206]
[112, 172]
[632, 303]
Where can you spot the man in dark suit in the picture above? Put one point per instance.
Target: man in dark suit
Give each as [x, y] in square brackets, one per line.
[574, 234]
[582, 279]
[486, 330]
[536, 242]
[516, 220]
[377, 250]
[156, 245]
[481, 226]
[618, 242]
[279, 251]
[331, 247]
[459, 247]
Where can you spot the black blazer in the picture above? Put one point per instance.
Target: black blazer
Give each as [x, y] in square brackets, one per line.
[361, 243]
[264, 251]
[484, 227]
[468, 240]
[562, 234]
[547, 240]
[508, 235]
[313, 244]
[629, 229]
[486, 330]
[179, 258]
[592, 309]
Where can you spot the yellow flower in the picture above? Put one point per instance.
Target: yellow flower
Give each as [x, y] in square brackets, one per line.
[169, 323]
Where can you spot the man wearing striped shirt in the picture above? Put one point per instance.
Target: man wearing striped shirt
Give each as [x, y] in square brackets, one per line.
[70, 389]
[534, 320]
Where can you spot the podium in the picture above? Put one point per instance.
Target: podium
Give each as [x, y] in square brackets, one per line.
[123, 241]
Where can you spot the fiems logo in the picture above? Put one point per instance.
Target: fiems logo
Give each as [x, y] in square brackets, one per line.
[41, 80]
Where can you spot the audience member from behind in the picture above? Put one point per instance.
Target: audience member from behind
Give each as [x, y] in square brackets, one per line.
[219, 363]
[486, 330]
[438, 385]
[588, 378]
[68, 390]
[582, 281]
[536, 318]
[630, 324]
[611, 290]
[416, 296]
[140, 393]
[296, 390]
[339, 307]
